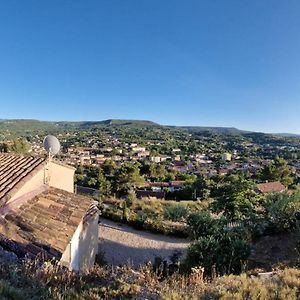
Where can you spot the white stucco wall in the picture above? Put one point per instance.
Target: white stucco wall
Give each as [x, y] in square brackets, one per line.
[61, 177]
[88, 246]
[81, 252]
[66, 257]
[72, 251]
[32, 184]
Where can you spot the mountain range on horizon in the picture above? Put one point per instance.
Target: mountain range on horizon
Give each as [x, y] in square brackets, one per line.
[32, 124]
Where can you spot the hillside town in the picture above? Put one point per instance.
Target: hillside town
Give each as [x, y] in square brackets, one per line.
[169, 161]
[149, 150]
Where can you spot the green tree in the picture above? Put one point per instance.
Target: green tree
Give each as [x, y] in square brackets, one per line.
[277, 171]
[20, 146]
[105, 187]
[92, 182]
[281, 209]
[235, 197]
[109, 167]
[157, 172]
[128, 177]
[202, 187]
[202, 224]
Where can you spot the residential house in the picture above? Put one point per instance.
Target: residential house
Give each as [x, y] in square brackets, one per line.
[226, 157]
[40, 214]
[158, 159]
[85, 160]
[180, 166]
[173, 186]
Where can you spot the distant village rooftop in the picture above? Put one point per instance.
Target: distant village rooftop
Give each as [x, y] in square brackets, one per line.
[271, 187]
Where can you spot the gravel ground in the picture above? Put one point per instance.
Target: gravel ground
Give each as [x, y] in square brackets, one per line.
[123, 244]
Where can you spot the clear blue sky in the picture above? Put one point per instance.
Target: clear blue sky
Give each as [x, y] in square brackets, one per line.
[214, 62]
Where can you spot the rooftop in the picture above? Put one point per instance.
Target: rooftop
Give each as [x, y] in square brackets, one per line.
[15, 170]
[45, 223]
[271, 187]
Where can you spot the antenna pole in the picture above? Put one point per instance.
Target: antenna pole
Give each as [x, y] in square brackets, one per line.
[47, 168]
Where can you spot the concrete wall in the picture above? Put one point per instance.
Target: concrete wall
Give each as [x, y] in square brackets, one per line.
[66, 257]
[81, 252]
[61, 177]
[32, 184]
[88, 247]
[75, 244]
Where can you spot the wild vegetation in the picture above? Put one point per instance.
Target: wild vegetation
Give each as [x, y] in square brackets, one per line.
[227, 240]
[159, 216]
[32, 280]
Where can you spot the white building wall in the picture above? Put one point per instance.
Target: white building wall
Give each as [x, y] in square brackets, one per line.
[81, 252]
[74, 264]
[34, 183]
[61, 177]
[88, 247]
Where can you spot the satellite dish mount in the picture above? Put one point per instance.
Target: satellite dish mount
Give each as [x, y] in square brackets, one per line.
[52, 146]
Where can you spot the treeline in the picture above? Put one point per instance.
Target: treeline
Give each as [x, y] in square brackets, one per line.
[237, 189]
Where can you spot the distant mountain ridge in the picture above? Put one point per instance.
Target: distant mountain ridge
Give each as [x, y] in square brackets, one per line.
[129, 122]
[28, 125]
[216, 130]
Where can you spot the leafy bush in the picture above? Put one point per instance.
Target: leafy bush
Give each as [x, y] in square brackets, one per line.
[140, 218]
[217, 248]
[217, 254]
[175, 212]
[131, 197]
[280, 211]
[7, 291]
[202, 224]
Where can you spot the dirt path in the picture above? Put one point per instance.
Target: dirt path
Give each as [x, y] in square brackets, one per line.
[123, 244]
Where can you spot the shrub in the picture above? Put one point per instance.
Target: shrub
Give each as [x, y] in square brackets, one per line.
[220, 254]
[175, 212]
[131, 197]
[280, 210]
[140, 219]
[8, 291]
[202, 224]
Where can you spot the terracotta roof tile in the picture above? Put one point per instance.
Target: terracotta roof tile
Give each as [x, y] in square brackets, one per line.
[15, 170]
[47, 220]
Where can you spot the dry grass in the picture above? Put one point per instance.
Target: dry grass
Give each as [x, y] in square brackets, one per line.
[48, 281]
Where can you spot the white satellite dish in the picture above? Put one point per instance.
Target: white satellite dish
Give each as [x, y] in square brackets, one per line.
[51, 145]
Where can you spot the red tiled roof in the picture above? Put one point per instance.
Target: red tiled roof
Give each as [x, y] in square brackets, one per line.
[15, 170]
[177, 183]
[46, 223]
[271, 187]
